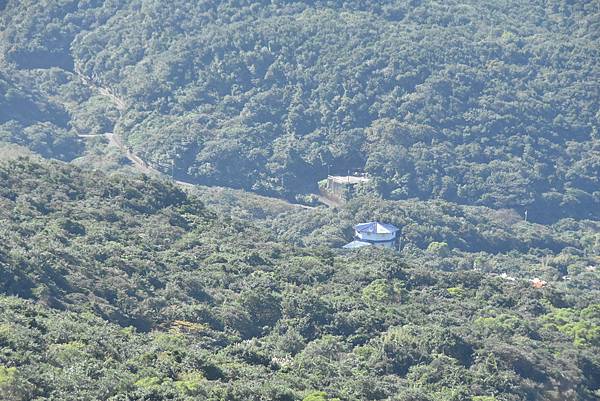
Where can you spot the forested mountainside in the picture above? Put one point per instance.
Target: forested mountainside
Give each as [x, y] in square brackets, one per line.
[479, 103]
[30, 118]
[116, 288]
[476, 121]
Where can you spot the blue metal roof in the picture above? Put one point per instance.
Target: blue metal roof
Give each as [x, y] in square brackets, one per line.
[375, 227]
[356, 244]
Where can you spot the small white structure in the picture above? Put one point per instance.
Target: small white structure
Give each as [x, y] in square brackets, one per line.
[356, 244]
[342, 188]
[374, 233]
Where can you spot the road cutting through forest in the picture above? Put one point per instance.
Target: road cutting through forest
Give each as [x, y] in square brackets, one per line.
[140, 164]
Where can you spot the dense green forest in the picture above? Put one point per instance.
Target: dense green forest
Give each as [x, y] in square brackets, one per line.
[479, 103]
[131, 289]
[30, 118]
[477, 122]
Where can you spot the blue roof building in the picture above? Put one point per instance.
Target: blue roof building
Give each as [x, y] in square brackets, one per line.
[374, 233]
[356, 244]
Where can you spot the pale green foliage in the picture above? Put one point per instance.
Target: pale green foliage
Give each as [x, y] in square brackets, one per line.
[382, 291]
[456, 292]
[148, 382]
[189, 382]
[318, 396]
[7, 376]
[438, 248]
[582, 326]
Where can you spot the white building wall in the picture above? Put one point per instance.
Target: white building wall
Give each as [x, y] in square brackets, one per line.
[376, 236]
[384, 244]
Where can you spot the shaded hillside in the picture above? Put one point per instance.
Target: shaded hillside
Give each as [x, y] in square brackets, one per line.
[29, 117]
[475, 103]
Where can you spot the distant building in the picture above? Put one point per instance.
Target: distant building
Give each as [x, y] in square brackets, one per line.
[341, 188]
[537, 283]
[374, 234]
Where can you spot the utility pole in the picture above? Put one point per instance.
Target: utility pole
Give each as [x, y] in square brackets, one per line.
[525, 215]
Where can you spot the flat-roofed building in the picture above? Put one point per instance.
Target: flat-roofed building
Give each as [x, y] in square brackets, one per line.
[341, 188]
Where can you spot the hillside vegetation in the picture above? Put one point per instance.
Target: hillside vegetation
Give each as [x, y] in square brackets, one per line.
[477, 122]
[479, 103]
[30, 118]
[120, 288]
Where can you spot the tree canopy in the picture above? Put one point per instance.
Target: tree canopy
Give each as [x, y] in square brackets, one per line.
[479, 103]
[476, 122]
[117, 287]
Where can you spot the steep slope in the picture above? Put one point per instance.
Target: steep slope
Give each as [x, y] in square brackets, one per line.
[473, 102]
[28, 117]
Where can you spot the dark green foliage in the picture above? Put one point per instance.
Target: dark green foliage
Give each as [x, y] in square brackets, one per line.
[473, 102]
[134, 290]
[475, 120]
[29, 118]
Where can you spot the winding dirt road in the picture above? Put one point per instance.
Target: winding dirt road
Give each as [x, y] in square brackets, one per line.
[137, 162]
